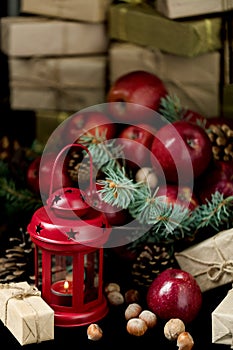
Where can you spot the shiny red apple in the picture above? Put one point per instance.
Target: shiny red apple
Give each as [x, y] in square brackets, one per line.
[218, 177]
[136, 141]
[88, 123]
[133, 91]
[174, 293]
[179, 195]
[181, 151]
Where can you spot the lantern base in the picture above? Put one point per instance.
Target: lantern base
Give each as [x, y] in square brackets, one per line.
[72, 319]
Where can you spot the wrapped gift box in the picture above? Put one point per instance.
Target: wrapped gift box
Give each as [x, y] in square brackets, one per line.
[222, 321]
[40, 36]
[142, 25]
[82, 10]
[61, 99]
[61, 83]
[63, 72]
[209, 261]
[196, 81]
[25, 313]
[186, 8]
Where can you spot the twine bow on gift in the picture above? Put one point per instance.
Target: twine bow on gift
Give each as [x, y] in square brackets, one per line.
[21, 293]
[215, 270]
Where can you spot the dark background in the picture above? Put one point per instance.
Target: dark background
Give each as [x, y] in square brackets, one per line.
[20, 125]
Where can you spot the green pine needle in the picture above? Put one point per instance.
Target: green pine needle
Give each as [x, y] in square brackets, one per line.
[117, 188]
[215, 213]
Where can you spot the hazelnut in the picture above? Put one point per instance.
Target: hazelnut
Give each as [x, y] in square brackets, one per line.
[149, 317]
[115, 298]
[185, 341]
[132, 296]
[132, 310]
[173, 328]
[94, 332]
[110, 287]
[136, 326]
[147, 176]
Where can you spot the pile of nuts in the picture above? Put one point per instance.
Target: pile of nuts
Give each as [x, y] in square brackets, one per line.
[139, 320]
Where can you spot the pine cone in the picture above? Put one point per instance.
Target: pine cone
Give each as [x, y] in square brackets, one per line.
[152, 260]
[221, 137]
[78, 168]
[16, 264]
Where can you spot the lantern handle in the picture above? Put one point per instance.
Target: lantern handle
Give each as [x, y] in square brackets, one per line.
[57, 158]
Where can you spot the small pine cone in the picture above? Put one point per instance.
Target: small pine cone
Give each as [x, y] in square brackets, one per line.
[78, 167]
[152, 260]
[221, 137]
[16, 262]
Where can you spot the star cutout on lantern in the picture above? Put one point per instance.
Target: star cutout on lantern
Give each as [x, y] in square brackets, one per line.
[103, 226]
[71, 234]
[39, 228]
[56, 198]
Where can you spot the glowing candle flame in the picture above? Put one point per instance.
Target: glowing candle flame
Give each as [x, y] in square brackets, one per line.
[66, 286]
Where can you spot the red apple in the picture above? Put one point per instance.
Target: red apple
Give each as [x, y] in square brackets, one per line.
[219, 178]
[136, 141]
[179, 195]
[32, 175]
[181, 150]
[88, 122]
[174, 293]
[133, 91]
[115, 215]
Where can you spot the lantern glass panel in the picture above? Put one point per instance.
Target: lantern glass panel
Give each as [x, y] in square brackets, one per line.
[62, 279]
[91, 279]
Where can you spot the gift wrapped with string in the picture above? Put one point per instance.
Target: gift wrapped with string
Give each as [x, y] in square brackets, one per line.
[25, 313]
[210, 261]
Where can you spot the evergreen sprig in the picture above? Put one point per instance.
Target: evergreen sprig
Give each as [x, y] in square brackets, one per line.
[216, 213]
[117, 189]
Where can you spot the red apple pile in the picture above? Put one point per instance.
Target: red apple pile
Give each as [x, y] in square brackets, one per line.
[179, 153]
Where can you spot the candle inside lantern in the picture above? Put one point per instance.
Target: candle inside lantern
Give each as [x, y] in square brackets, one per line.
[62, 293]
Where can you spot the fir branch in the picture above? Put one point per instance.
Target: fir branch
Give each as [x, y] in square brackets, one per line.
[117, 189]
[171, 108]
[20, 199]
[102, 150]
[215, 213]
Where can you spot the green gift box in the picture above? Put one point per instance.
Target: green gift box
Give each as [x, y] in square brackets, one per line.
[142, 25]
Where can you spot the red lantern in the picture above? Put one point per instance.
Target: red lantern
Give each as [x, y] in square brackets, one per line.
[69, 236]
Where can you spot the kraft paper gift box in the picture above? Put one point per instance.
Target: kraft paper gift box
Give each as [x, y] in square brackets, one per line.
[222, 321]
[196, 80]
[63, 72]
[61, 99]
[40, 36]
[186, 8]
[25, 313]
[82, 10]
[210, 261]
[143, 25]
[60, 83]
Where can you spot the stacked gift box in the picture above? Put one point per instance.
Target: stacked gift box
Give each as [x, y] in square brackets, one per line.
[185, 53]
[57, 54]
